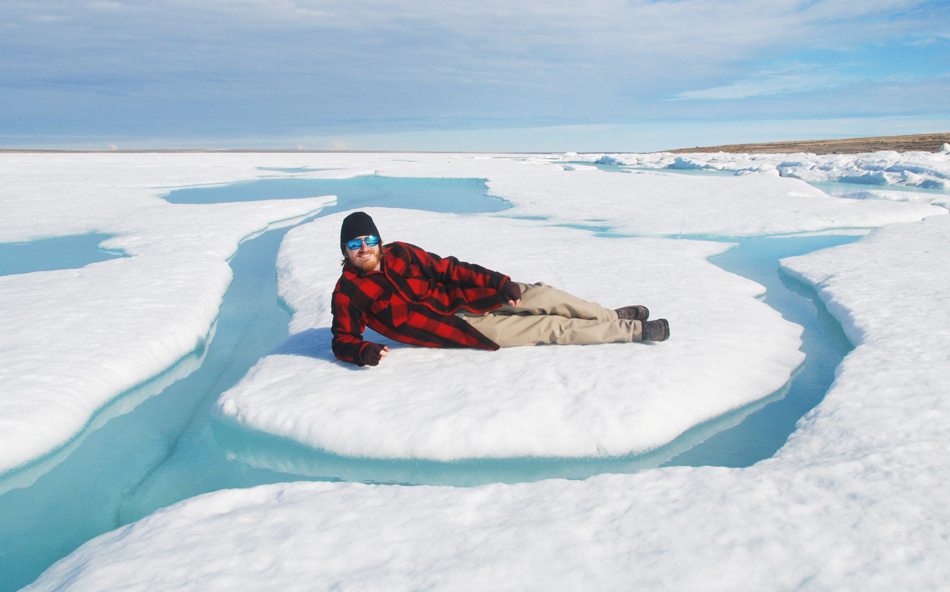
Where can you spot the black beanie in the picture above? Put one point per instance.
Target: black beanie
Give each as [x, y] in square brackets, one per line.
[354, 225]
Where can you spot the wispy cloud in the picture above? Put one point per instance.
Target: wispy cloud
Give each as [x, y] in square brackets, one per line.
[773, 82]
[308, 66]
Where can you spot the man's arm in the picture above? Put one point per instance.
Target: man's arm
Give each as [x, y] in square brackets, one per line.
[470, 274]
[449, 270]
[348, 325]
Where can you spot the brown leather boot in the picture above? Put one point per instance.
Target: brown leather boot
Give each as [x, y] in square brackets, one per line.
[633, 313]
[658, 330]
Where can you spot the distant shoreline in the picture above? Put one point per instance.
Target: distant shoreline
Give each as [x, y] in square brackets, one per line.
[911, 143]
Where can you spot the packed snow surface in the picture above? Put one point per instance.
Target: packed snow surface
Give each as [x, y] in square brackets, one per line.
[72, 340]
[660, 203]
[605, 400]
[856, 500]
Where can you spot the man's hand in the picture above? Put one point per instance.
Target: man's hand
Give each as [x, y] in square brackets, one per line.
[373, 353]
[511, 292]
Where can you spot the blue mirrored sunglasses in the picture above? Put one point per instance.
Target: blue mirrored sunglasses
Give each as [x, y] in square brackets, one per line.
[371, 241]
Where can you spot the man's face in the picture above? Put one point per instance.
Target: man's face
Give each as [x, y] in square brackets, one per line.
[366, 258]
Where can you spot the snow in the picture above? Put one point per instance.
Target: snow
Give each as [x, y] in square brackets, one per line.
[73, 340]
[905, 196]
[659, 203]
[568, 401]
[923, 170]
[669, 204]
[855, 500]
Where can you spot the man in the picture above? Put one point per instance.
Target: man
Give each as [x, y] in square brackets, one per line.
[415, 297]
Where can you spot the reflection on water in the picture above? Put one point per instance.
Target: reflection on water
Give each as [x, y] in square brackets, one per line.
[824, 344]
[839, 188]
[278, 454]
[459, 196]
[618, 167]
[67, 252]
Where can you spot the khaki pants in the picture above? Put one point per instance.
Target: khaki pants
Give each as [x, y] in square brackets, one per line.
[548, 315]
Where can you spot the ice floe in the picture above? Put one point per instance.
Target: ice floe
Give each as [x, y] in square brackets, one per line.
[651, 203]
[730, 349]
[75, 339]
[905, 196]
[924, 170]
[856, 500]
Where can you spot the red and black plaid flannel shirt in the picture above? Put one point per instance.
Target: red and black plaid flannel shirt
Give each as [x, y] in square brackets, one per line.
[412, 299]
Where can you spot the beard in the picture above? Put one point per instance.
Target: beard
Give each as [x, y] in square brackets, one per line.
[367, 265]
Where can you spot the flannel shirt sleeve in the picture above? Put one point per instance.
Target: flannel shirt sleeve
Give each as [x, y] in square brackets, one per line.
[349, 322]
[451, 270]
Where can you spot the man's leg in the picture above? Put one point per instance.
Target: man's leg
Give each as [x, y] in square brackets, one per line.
[541, 299]
[511, 330]
[548, 315]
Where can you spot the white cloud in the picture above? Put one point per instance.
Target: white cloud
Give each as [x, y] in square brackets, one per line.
[313, 65]
[771, 82]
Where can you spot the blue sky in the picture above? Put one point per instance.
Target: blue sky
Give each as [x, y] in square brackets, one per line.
[486, 75]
